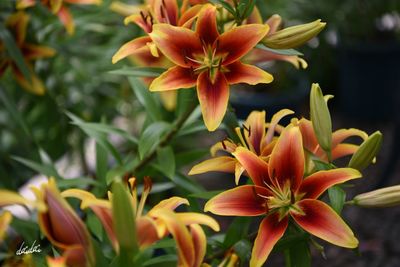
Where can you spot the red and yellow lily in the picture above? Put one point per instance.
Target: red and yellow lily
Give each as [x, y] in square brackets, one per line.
[257, 135]
[58, 222]
[208, 60]
[142, 50]
[160, 221]
[17, 23]
[59, 8]
[280, 192]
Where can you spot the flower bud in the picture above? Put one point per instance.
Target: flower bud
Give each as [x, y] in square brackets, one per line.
[321, 118]
[62, 226]
[380, 198]
[294, 36]
[367, 151]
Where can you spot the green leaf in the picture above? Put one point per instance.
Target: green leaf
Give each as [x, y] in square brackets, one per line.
[146, 98]
[188, 157]
[29, 230]
[243, 250]
[95, 226]
[164, 260]
[187, 184]
[298, 255]
[321, 119]
[45, 169]
[14, 51]
[76, 182]
[157, 187]
[225, 5]
[100, 137]
[237, 231]
[206, 195]
[139, 71]
[367, 151]
[337, 197]
[124, 224]
[285, 52]
[150, 138]
[101, 163]
[166, 160]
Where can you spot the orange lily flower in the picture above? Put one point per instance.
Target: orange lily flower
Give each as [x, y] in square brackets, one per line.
[18, 23]
[159, 222]
[280, 192]
[208, 60]
[253, 136]
[59, 8]
[58, 222]
[142, 50]
[259, 56]
[339, 148]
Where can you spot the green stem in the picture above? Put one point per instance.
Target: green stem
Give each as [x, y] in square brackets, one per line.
[166, 139]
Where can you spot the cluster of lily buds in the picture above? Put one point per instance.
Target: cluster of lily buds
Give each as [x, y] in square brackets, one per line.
[203, 48]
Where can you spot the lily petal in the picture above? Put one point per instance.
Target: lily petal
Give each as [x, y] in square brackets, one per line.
[270, 231]
[255, 124]
[188, 218]
[199, 244]
[224, 145]
[11, 198]
[243, 200]
[340, 135]
[166, 11]
[169, 204]
[131, 48]
[322, 221]
[139, 21]
[206, 26]
[66, 19]
[174, 78]
[239, 41]
[178, 44]
[169, 99]
[219, 164]
[32, 51]
[181, 235]
[287, 158]
[187, 17]
[213, 97]
[274, 22]
[146, 231]
[316, 184]
[310, 141]
[244, 73]
[256, 168]
[5, 220]
[239, 169]
[274, 122]
[342, 150]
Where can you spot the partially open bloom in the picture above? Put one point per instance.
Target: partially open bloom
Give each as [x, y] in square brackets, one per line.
[257, 135]
[280, 192]
[58, 222]
[59, 8]
[17, 23]
[208, 60]
[160, 221]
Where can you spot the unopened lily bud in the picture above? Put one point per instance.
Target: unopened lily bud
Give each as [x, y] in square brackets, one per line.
[321, 118]
[367, 151]
[380, 198]
[294, 36]
[62, 226]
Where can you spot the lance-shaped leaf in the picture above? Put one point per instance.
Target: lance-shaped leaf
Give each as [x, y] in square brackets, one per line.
[124, 223]
[321, 118]
[366, 152]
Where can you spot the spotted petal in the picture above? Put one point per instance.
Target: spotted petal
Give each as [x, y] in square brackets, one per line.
[246, 200]
[270, 231]
[213, 97]
[322, 221]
